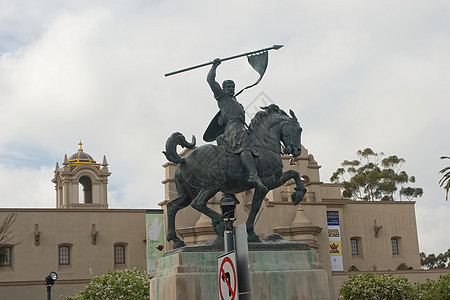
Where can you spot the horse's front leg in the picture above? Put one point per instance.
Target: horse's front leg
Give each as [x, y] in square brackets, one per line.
[172, 208]
[199, 203]
[300, 189]
[258, 197]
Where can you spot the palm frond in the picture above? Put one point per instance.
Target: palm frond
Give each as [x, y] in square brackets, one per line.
[445, 180]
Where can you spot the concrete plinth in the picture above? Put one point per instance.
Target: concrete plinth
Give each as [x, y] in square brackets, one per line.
[274, 275]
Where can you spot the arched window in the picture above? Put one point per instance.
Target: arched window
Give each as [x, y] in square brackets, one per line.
[119, 254]
[64, 255]
[395, 245]
[5, 256]
[86, 183]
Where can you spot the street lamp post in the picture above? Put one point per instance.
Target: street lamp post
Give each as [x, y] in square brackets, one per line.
[49, 282]
[228, 206]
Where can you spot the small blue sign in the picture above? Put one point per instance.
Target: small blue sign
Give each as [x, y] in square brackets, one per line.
[333, 217]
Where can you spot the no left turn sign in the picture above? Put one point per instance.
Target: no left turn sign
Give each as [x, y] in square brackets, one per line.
[228, 284]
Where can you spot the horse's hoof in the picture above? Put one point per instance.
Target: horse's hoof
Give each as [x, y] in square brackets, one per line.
[297, 197]
[253, 238]
[178, 244]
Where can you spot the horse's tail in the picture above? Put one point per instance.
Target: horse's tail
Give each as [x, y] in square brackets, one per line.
[172, 142]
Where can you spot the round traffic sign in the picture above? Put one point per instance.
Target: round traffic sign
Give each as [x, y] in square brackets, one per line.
[227, 280]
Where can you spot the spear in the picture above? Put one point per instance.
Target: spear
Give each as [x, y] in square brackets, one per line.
[274, 47]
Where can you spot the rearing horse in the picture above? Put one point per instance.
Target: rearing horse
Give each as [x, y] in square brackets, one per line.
[210, 169]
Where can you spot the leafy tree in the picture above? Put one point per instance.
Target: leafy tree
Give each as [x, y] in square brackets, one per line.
[445, 180]
[373, 177]
[122, 284]
[5, 234]
[432, 261]
[377, 286]
[434, 289]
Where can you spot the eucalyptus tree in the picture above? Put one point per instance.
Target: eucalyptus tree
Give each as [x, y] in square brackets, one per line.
[432, 261]
[375, 177]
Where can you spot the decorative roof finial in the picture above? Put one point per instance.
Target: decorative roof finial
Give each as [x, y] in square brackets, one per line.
[80, 144]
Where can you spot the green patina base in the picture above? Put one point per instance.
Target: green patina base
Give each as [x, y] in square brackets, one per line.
[274, 275]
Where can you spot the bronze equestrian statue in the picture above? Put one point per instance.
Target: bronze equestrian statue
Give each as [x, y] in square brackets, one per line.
[243, 159]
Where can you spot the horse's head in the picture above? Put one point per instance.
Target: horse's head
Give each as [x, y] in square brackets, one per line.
[291, 135]
[277, 126]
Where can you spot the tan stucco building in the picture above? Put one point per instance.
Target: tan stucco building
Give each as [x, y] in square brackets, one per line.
[83, 236]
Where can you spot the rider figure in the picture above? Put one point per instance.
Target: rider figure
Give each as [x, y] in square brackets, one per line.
[235, 136]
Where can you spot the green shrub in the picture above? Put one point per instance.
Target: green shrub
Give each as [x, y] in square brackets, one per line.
[122, 284]
[404, 266]
[353, 268]
[377, 287]
[438, 289]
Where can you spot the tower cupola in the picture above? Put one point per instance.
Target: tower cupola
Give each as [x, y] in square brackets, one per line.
[81, 182]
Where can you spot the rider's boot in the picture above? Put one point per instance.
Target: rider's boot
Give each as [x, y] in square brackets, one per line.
[253, 178]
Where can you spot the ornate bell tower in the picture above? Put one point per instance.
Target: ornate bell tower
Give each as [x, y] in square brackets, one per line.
[81, 182]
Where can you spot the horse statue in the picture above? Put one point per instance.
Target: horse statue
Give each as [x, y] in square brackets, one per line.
[210, 169]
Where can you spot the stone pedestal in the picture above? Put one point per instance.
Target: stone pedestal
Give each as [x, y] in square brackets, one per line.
[285, 274]
[301, 230]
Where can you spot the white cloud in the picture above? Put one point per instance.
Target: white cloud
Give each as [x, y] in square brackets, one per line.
[27, 187]
[433, 235]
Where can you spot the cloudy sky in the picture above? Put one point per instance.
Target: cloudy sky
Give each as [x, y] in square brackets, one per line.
[357, 73]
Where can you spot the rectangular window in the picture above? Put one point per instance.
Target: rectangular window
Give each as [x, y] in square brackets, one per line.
[354, 246]
[5, 253]
[394, 243]
[64, 255]
[119, 254]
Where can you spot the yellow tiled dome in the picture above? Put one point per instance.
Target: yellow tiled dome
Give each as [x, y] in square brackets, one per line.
[81, 158]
